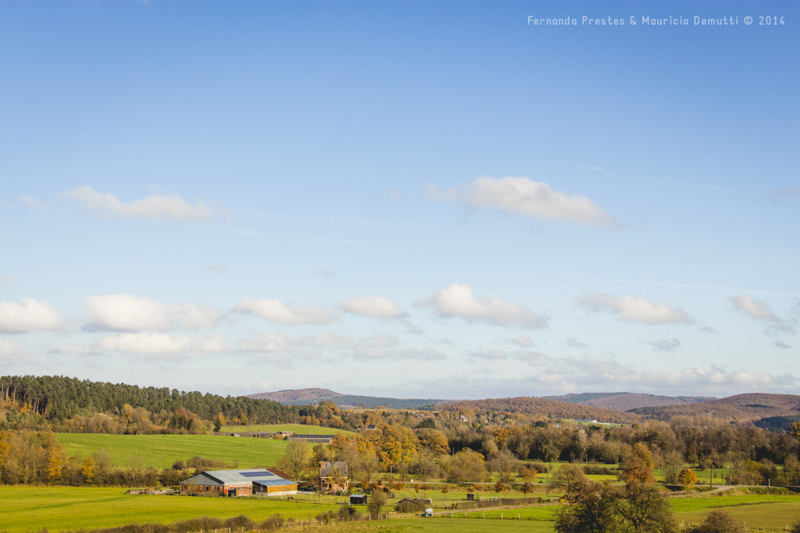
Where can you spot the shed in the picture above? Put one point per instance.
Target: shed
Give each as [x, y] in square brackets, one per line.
[358, 499]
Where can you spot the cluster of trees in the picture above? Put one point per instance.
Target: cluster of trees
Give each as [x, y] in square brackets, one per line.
[70, 405]
[36, 457]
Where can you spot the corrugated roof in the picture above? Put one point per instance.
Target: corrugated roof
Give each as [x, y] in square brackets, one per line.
[275, 483]
[242, 476]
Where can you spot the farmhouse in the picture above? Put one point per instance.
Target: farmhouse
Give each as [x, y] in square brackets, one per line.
[332, 476]
[238, 483]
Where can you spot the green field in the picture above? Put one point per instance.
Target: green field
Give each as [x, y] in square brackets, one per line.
[300, 429]
[65, 508]
[162, 451]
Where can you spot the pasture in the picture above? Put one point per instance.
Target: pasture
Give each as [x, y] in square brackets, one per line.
[161, 451]
[68, 508]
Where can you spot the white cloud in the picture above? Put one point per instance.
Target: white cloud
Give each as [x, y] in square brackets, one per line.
[413, 329]
[575, 343]
[279, 313]
[270, 342]
[457, 301]
[755, 308]
[374, 306]
[665, 345]
[494, 354]
[533, 358]
[11, 355]
[6, 281]
[153, 207]
[33, 203]
[147, 343]
[636, 309]
[428, 354]
[29, 315]
[525, 342]
[72, 349]
[127, 312]
[526, 197]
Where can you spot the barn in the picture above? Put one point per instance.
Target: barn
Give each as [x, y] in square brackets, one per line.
[238, 483]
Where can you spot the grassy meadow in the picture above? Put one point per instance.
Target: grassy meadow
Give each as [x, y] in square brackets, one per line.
[67, 508]
[26, 509]
[161, 451]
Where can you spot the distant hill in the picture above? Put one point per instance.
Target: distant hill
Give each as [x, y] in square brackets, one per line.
[296, 395]
[626, 401]
[764, 410]
[543, 408]
[314, 396]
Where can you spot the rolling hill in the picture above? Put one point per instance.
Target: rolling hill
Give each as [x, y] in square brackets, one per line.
[314, 396]
[543, 408]
[764, 410]
[626, 401]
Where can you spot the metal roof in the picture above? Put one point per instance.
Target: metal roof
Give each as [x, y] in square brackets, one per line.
[237, 477]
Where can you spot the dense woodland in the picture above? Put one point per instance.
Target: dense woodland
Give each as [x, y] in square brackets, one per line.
[459, 445]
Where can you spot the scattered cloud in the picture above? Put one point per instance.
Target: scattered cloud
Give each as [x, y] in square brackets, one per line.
[127, 312]
[495, 354]
[165, 344]
[525, 197]
[29, 315]
[33, 203]
[635, 309]
[759, 310]
[396, 194]
[665, 345]
[373, 306]
[155, 207]
[533, 358]
[445, 341]
[271, 342]
[11, 355]
[524, 342]
[413, 329]
[755, 308]
[277, 312]
[596, 168]
[781, 344]
[327, 272]
[457, 301]
[6, 280]
[427, 354]
[72, 349]
[216, 268]
[575, 343]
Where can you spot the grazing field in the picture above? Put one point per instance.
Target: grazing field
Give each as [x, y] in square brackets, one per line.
[67, 508]
[162, 451]
[300, 429]
[756, 511]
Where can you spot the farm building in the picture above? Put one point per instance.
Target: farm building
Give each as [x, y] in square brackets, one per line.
[238, 483]
[332, 476]
[322, 439]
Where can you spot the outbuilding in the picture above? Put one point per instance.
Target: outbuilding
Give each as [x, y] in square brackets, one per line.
[238, 483]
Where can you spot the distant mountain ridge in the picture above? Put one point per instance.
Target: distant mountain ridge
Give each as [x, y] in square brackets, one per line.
[543, 408]
[627, 401]
[763, 410]
[314, 396]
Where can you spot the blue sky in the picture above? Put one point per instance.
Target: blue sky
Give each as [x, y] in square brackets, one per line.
[401, 198]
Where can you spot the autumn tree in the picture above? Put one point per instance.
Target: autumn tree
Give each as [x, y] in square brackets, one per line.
[642, 508]
[718, 522]
[638, 465]
[571, 479]
[297, 459]
[55, 464]
[687, 478]
[466, 465]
